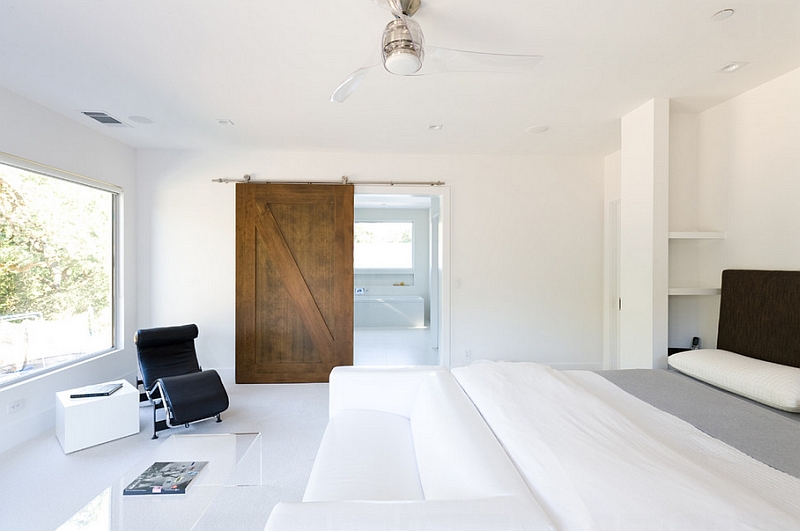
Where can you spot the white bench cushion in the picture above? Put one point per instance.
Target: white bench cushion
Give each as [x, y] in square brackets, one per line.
[390, 389]
[365, 455]
[457, 454]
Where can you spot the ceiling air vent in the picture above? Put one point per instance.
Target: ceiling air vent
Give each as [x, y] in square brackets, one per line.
[103, 118]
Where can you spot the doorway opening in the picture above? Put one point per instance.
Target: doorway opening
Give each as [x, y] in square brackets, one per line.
[400, 264]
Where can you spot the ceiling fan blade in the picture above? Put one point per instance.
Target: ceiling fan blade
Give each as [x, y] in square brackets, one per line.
[442, 60]
[350, 85]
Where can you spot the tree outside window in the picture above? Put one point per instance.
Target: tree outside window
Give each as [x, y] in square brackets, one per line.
[383, 245]
[56, 271]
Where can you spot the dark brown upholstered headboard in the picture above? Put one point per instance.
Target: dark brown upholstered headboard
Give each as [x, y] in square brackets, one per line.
[759, 315]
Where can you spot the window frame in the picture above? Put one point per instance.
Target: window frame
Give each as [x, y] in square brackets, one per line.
[116, 250]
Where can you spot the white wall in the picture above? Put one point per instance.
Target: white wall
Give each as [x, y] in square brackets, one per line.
[643, 246]
[733, 169]
[612, 182]
[526, 246]
[748, 183]
[32, 132]
[748, 175]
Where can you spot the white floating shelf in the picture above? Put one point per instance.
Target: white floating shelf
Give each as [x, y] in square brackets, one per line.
[696, 235]
[694, 291]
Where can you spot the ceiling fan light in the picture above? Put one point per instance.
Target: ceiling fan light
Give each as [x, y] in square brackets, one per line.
[403, 62]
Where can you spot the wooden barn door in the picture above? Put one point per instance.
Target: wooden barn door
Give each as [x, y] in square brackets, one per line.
[294, 281]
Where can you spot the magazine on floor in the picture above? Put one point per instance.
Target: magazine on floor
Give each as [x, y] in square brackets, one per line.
[165, 477]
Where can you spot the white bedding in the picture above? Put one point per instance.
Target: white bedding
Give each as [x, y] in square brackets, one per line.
[600, 459]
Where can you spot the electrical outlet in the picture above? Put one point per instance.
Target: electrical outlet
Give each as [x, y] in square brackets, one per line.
[468, 354]
[15, 405]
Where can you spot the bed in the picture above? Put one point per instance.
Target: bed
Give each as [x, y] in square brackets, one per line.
[505, 446]
[659, 449]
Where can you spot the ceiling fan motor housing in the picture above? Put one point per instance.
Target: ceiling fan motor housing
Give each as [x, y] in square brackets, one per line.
[403, 46]
[404, 7]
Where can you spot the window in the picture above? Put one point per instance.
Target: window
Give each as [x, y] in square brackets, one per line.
[383, 245]
[56, 270]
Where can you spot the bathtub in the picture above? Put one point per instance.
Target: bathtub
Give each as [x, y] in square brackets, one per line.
[389, 311]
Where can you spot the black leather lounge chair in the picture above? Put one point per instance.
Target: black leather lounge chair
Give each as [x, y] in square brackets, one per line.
[173, 379]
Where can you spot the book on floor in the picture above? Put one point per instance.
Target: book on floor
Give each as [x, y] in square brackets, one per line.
[165, 477]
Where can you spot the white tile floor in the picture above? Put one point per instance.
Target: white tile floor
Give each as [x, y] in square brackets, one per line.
[392, 346]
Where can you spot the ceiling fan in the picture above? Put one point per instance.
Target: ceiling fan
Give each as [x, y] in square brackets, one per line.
[403, 52]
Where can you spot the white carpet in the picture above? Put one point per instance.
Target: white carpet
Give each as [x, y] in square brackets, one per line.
[41, 488]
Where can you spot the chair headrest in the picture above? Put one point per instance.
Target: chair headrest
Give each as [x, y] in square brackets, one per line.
[168, 335]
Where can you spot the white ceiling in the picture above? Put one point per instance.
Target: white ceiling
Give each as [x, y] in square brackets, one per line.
[270, 67]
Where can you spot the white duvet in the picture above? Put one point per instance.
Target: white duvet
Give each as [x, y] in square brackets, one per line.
[599, 459]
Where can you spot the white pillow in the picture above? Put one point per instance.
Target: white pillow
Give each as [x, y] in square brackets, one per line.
[772, 384]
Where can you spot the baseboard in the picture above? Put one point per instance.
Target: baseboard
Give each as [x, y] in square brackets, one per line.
[27, 428]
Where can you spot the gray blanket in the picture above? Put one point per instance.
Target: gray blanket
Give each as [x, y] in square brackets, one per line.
[766, 434]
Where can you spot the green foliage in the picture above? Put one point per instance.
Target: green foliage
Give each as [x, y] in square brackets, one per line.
[382, 232]
[55, 245]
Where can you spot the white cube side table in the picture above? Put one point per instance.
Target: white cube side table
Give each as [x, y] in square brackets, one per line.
[85, 422]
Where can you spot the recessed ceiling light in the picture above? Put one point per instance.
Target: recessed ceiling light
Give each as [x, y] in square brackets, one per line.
[722, 15]
[537, 129]
[223, 121]
[732, 67]
[436, 127]
[140, 120]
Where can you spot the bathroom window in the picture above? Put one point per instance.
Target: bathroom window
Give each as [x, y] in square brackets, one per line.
[384, 245]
